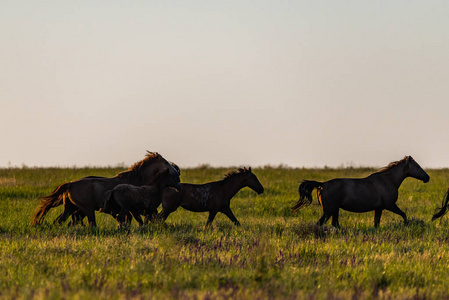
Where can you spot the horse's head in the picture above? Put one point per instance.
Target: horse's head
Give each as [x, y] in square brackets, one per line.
[164, 179]
[159, 169]
[414, 170]
[253, 182]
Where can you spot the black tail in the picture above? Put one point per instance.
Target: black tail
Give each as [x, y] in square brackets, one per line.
[442, 211]
[305, 193]
[53, 200]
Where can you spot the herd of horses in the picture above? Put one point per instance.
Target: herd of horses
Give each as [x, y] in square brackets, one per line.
[153, 181]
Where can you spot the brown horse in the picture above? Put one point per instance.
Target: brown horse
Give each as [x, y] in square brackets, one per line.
[213, 197]
[84, 196]
[376, 192]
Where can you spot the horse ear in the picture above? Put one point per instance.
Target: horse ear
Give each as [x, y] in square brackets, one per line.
[249, 169]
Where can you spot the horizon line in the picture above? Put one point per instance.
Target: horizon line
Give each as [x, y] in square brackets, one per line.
[123, 165]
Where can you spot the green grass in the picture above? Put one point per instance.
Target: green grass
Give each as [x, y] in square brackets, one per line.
[274, 254]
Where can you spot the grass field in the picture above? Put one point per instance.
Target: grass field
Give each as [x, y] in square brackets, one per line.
[274, 254]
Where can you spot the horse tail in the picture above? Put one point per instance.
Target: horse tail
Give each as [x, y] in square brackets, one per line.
[55, 199]
[442, 211]
[305, 193]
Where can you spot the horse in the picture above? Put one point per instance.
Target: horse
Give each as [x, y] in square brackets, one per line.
[78, 216]
[125, 201]
[376, 192]
[213, 197]
[441, 211]
[84, 196]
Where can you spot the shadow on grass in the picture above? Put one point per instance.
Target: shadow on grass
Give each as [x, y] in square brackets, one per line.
[396, 230]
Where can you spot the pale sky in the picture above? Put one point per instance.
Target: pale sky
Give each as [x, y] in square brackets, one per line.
[227, 83]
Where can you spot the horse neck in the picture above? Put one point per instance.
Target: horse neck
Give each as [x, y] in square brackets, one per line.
[397, 175]
[232, 185]
[141, 176]
[132, 180]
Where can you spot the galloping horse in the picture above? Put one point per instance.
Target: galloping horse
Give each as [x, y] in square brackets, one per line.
[84, 196]
[376, 192]
[213, 197]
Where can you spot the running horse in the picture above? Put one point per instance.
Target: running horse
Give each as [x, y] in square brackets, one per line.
[376, 192]
[213, 197]
[84, 196]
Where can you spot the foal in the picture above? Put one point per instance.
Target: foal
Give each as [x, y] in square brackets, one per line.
[126, 199]
[213, 197]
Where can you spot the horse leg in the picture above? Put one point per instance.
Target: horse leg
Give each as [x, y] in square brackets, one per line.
[150, 216]
[377, 215]
[63, 217]
[228, 212]
[163, 215]
[151, 213]
[138, 218]
[211, 217]
[323, 219]
[335, 219]
[91, 218]
[77, 218]
[395, 209]
[128, 217]
[121, 218]
[69, 209]
[170, 202]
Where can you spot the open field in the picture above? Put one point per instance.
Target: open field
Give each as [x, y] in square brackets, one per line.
[274, 254]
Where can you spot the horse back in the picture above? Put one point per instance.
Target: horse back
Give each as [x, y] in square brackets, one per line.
[358, 194]
[131, 197]
[88, 193]
[197, 197]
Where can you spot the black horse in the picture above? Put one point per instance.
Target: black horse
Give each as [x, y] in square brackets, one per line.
[213, 197]
[376, 192]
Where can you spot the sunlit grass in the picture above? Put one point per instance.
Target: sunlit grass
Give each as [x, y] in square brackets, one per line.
[274, 254]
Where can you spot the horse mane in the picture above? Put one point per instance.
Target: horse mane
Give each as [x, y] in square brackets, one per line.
[238, 171]
[134, 171]
[176, 167]
[392, 165]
